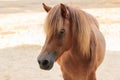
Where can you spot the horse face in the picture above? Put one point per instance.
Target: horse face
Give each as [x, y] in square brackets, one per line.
[55, 45]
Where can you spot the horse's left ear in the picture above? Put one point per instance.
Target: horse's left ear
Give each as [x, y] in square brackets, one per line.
[47, 8]
[64, 11]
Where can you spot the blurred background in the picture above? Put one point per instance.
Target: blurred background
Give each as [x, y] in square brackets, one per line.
[22, 36]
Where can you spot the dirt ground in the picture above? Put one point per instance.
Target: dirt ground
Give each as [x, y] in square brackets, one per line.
[22, 36]
[20, 63]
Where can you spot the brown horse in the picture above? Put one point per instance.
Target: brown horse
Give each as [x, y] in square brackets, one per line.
[74, 40]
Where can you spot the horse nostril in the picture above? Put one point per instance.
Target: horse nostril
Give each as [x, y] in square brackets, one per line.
[45, 62]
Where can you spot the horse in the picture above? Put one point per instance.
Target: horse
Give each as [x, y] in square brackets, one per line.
[74, 41]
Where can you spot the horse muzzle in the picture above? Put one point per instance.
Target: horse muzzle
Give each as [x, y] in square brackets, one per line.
[46, 62]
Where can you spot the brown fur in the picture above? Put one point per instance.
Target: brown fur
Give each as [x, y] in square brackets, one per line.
[78, 19]
[84, 45]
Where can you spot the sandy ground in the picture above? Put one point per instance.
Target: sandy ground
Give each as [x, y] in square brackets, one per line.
[20, 63]
[22, 36]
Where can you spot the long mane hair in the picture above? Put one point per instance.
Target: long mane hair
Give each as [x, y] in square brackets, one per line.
[80, 24]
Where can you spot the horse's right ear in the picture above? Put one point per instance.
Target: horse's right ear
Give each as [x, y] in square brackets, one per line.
[46, 8]
[64, 11]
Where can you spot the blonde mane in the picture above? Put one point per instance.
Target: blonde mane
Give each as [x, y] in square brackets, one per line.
[81, 28]
[53, 20]
[79, 23]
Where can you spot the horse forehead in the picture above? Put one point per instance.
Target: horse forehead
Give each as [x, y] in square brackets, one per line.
[66, 22]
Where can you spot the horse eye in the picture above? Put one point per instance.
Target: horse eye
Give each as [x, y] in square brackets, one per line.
[62, 31]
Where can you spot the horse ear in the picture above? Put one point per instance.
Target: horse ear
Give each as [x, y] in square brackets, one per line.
[64, 11]
[46, 8]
